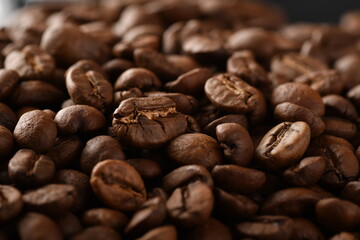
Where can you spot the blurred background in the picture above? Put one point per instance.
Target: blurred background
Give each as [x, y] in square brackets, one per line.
[305, 10]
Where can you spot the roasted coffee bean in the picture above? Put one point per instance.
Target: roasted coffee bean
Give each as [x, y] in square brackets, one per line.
[53, 199]
[118, 185]
[6, 142]
[212, 229]
[350, 22]
[10, 202]
[26, 168]
[349, 70]
[351, 191]
[156, 62]
[8, 81]
[338, 106]
[31, 62]
[283, 145]
[183, 63]
[231, 94]
[354, 95]
[182, 176]
[167, 232]
[231, 118]
[80, 182]
[67, 44]
[243, 65]
[234, 206]
[137, 77]
[37, 94]
[292, 65]
[79, 119]
[98, 149]
[148, 122]
[97, 233]
[35, 130]
[69, 224]
[305, 173]
[292, 112]
[191, 83]
[236, 143]
[238, 179]
[33, 226]
[305, 230]
[86, 85]
[191, 205]
[150, 215]
[147, 168]
[195, 148]
[100, 31]
[65, 151]
[345, 236]
[115, 67]
[325, 82]
[266, 227]
[8, 118]
[184, 103]
[336, 215]
[105, 217]
[293, 202]
[299, 94]
[120, 96]
[339, 127]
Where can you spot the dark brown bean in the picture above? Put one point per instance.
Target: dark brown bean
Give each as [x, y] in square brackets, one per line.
[8, 81]
[8, 118]
[118, 185]
[339, 127]
[305, 230]
[212, 229]
[66, 150]
[137, 77]
[10, 203]
[167, 232]
[338, 106]
[115, 67]
[105, 217]
[147, 168]
[231, 118]
[186, 150]
[349, 70]
[6, 142]
[69, 224]
[97, 233]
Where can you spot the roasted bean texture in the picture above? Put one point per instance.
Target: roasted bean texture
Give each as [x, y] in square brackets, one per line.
[189, 120]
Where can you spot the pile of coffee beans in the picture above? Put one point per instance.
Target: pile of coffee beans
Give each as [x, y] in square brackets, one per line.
[180, 119]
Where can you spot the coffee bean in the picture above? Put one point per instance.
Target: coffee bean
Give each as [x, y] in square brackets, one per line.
[191, 205]
[148, 122]
[283, 145]
[137, 77]
[98, 149]
[293, 202]
[236, 143]
[78, 119]
[120, 96]
[291, 112]
[150, 215]
[348, 68]
[182, 176]
[31, 62]
[52, 199]
[34, 226]
[8, 81]
[338, 106]
[299, 94]
[350, 192]
[167, 232]
[8, 118]
[325, 82]
[6, 142]
[234, 206]
[231, 118]
[186, 150]
[105, 217]
[346, 236]
[118, 185]
[305, 173]
[26, 168]
[37, 94]
[336, 215]
[35, 130]
[10, 202]
[99, 30]
[305, 229]
[354, 95]
[115, 67]
[65, 151]
[231, 94]
[97, 233]
[266, 227]
[87, 85]
[238, 179]
[69, 224]
[147, 168]
[191, 83]
[339, 127]
[67, 44]
[212, 229]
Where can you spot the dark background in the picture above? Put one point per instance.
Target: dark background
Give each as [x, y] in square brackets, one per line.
[316, 10]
